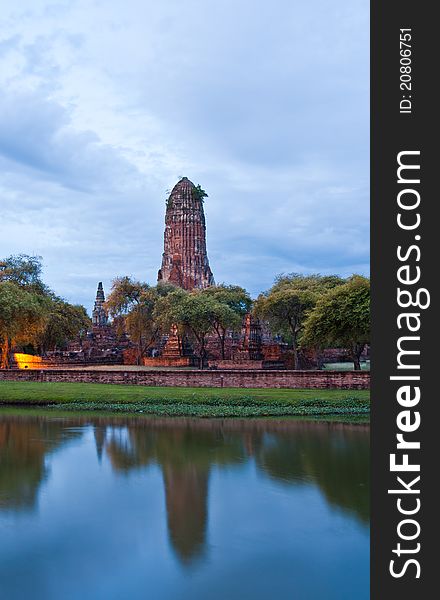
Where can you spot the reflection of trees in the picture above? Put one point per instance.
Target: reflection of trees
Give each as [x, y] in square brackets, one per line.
[335, 458]
[24, 444]
[185, 456]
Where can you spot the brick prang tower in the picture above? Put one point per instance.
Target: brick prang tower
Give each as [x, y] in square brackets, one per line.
[99, 315]
[185, 259]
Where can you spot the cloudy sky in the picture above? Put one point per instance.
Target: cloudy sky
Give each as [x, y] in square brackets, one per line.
[106, 104]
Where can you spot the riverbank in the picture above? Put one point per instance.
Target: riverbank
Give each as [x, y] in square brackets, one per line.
[177, 401]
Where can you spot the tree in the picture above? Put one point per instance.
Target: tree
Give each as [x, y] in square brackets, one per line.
[235, 304]
[194, 314]
[30, 313]
[342, 318]
[65, 322]
[200, 193]
[25, 271]
[315, 281]
[23, 316]
[133, 304]
[287, 303]
[24, 302]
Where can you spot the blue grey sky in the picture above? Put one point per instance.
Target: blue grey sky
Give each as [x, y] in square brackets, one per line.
[106, 104]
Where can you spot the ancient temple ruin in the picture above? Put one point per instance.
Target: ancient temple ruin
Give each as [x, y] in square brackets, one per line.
[185, 264]
[185, 259]
[99, 315]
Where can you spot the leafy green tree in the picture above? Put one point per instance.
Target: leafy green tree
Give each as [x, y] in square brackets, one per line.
[24, 302]
[30, 313]
[287, 303]
[167, 312]
[200, 192]
[195, 315]
[25, 271]
[235, 303]
[133, 304]
[341, 318]
[65, 322]
[23, 316]
[317, 282]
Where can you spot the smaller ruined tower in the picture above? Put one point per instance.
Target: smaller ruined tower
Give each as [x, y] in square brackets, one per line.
[185, 259]
[99, 315]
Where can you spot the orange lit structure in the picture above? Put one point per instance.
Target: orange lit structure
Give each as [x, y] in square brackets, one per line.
[28, 361]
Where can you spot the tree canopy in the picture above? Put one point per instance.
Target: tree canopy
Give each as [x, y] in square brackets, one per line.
[64, 323]
[235, 303]
[25, 271]
[341, 318]
[305, 310]
[30, 313]
[132, 303]
[199, 313]
[23, 316]
[286, 305]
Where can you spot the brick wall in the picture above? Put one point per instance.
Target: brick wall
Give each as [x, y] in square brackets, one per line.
[195, 378]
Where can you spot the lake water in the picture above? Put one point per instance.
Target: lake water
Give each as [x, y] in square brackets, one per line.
[135, 508]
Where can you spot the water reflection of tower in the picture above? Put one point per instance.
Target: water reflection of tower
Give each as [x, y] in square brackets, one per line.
[100, 433]
[333, 457]
[186, 492]
[185, 457]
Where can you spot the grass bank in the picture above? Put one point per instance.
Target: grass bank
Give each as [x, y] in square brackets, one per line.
[194, 402]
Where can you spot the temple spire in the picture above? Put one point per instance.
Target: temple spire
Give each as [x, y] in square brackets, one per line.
[185, 259]
[99, 315]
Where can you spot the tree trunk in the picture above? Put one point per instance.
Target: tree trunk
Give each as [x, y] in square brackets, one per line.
[202, 357]
[202, 353]
[222, 344]
[5, 354]
[293, 329]
[221, 337]
[357, 350]
[139, 352]
[319, 359]
[295, 354]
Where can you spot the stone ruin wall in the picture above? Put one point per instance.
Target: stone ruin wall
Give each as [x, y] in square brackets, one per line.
[196, 378]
